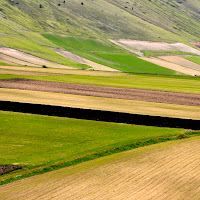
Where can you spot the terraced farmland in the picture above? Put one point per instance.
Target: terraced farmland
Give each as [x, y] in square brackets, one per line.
[162, 171]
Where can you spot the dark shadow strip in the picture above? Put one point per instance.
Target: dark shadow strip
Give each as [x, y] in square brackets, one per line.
[100, 115]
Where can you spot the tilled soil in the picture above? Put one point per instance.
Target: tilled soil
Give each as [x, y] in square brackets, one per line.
[103, 91]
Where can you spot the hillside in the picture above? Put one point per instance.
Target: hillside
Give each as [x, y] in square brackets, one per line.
[22, 20]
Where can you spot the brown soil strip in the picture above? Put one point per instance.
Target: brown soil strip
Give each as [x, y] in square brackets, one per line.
[103, 91]
[4, 169]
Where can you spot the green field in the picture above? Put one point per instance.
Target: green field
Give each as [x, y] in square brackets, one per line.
[37, 140]
[153, 82]
[194, 59]
[107, 54]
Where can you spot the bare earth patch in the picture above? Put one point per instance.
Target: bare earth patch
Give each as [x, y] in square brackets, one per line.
[103, 91]
[163, 171]
[172, 66]
[12, 53]
[181, 61]
[158, 46]
[78, 59]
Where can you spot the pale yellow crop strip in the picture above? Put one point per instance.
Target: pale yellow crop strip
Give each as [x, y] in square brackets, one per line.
[62, 71]
[101, 103]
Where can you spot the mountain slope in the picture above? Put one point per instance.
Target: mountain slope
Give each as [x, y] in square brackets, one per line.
[22, 22]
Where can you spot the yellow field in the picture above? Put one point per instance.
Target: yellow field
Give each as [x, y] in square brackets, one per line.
[163, 171]
[100, 103]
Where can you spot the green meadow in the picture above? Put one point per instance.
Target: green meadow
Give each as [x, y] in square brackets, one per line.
[37, 140]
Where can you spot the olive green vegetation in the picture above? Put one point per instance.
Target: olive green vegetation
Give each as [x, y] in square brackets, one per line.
[164, 53]
[194, 59]
[108, 54]
[152, 82]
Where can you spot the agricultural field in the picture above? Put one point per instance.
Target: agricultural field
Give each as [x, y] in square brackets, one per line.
[162, 171]
[138, 81]
[99, 99]
[108, 55]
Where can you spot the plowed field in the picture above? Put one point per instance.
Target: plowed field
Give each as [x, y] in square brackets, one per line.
[164, 171]
[103, 91]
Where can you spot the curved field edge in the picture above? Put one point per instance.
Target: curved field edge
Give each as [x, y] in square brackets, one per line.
[20, 174]
[92, 154]
[138, 81]
[167, 170]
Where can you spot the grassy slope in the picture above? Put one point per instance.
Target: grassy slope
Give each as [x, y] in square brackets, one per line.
[180, 18]
[194, 59]
[23, 22]
[36, 140]
[107, 54]
[153, 82]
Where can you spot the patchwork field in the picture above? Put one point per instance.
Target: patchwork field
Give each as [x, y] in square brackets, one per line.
[71, 141]
[108, 54]
[149, 82]
[162, 171]
[102, 91]
[101, 103]
[21, 58]
[105, 68]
